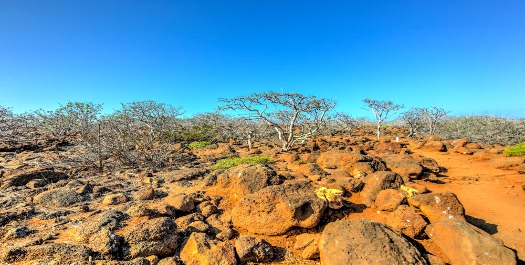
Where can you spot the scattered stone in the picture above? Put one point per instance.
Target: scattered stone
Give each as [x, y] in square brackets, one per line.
[463, 243]
[84, 189]
[377, 182]
[184, 222]
[389, 200]
[308, 244]
[19, 232]
[342, 160]
[145, 194]
[436, 206]
[200, 249]
[153, 237]
[252, 249]
[431, 138]
[312, 171]
[473, 146]
[418, 187]
[106, 243]
[170, 261]
[225, 234]
[436, 146]
[276, 209]
[463, 150]
[365, 242]
[394, 147]
[198, 226]
[404, 165]
[36, 183]
[181, 202]
[247, 179]
[207, 209]
[407, 221]
[114, 199]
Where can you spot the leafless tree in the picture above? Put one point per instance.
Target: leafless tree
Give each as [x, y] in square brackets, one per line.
[433, 116]
[414, 119]
[382, 111]
[484, 129]
[295, 117]
[345, 122]
[138, 134]
[74, 117]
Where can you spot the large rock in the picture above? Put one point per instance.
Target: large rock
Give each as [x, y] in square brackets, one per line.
[378, 181]
[407, 221]
[276, 209]
[463, 243]
[200, 249]
[180, 201]
[436, 206]
[312, 171]
[436, 146]
[404, 165]
[389, 200]
[60, 197]
[247, 179]
[114, 199]
[365, 242]
[347, 161]
[153, 237]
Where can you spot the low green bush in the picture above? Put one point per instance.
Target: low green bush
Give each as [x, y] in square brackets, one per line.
[193, 145]
[516, 150]
[235, 161]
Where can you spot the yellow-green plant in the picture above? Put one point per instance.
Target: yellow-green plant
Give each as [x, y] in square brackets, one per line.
[193, 145]
[235, 161]
[515, 150]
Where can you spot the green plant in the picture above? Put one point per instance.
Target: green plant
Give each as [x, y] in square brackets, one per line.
[235, 161]
[193, 145]
[516, 150]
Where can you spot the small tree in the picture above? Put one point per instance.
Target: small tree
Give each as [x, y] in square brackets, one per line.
[414, 120]
[433, 116]
[344, 122]
[382, 111]
[295, 117]
[74, 117]
[138, 135]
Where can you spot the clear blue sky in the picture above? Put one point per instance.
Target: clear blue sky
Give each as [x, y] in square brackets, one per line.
[464, 56]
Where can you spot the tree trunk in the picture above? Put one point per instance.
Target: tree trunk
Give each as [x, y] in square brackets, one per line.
[378, 130]
[249, 141]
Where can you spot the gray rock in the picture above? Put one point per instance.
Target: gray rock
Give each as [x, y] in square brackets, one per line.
[365, 242]
[153, 237]
[60, 197]
[252, 249]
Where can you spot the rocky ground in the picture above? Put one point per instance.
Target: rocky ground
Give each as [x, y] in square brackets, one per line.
[352, 200]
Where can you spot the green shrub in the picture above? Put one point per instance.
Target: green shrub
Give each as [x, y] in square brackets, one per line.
[235, 161]
[198, 144]
[516, 150]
